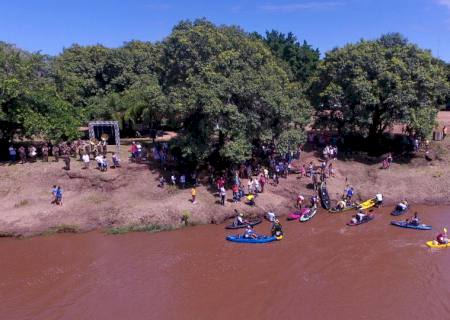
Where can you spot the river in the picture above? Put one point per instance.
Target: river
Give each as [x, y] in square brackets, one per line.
[321, 270]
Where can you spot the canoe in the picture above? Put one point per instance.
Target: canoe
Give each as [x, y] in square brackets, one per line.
[297, 214]
[324, 197]
[259, 239]
[434, 244]
[252, 223]
[308, 215]
[348, 208]
[367, 204]
[367, 219]
[404, 224]
[398, 212]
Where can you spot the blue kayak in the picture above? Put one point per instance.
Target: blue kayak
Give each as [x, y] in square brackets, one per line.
[398, 212]
[404, 224]
[258, 239]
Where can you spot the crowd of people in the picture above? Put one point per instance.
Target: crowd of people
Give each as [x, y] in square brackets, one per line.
[248, 181]
[84, 150]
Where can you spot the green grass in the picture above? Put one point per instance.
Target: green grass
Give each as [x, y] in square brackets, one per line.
[438, 174]
[62, 228]
[138, 228]
[185, 217]
[7, 234]
[21, 203]
[171, 189]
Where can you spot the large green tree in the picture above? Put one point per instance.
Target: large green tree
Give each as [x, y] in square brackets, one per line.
[301, 58]
[229, 93]
[120, 84]
[84, 72]
[365, 88]
[29, 100]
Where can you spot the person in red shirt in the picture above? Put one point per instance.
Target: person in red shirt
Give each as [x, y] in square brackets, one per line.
[133, 150]
[262, 182]
[235, 190]
[442, 237]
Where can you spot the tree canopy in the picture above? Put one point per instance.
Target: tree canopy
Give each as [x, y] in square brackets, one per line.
[366, 87]
[302, 59]
[222, 83]
[29, 99]
[225, 91]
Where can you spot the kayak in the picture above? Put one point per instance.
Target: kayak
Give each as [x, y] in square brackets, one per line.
[367, 204]
[434, 244]
[258, 239]
[398, 212]
[348, 208]
[366, 219]
[297, 214]
[252, 223]
[324, 197]
[308, 215]
[404, 224]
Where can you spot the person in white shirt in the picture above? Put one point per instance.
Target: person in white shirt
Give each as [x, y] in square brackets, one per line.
[250, 185]
[99, 160]
[402, 205]
[223, 195]
[271, 216]
[256, 186]
[115, 160]
[379, 199]
[239, 220]
[139, 149]
[104, 165]
[86, 159]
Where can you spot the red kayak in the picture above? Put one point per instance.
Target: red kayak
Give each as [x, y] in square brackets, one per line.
[297, 214]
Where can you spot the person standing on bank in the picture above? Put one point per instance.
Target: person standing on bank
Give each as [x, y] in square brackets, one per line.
[55, 152]
[12, 154]
[222, 195]
[66, 159]
[193, 194]
[45, 153]
[86, 159]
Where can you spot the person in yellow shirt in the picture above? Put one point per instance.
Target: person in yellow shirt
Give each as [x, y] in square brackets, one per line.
[193, 194]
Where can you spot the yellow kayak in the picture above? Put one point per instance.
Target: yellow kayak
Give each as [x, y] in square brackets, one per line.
[367, 204]
[434, 244]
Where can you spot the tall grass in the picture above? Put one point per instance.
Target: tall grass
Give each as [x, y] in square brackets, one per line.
[62, 228]
[138, 228]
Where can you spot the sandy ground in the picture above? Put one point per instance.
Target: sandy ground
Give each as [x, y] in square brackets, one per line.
[129, 195]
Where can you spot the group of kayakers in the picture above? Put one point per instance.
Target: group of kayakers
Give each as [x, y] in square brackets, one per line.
[276, 229]
[360, 216]
[401, 207]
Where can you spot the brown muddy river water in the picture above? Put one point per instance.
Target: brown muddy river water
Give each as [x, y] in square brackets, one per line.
[321, 270]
